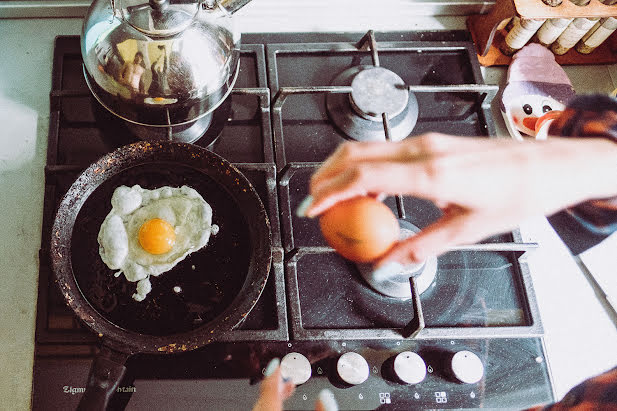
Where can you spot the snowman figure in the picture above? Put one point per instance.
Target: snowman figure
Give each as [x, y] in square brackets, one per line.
[536, 92]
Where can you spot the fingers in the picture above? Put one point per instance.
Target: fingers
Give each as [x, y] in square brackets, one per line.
[274, 391]
[326, 401]
[288, 389]
[457, 226]
[370, 178]
[409, 149]
[434, 167]
[349, 153]
[413, 166]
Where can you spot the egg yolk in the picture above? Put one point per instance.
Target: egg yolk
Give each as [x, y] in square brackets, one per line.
[157, 236]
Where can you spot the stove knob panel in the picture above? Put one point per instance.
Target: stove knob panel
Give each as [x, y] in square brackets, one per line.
[467, 367]
[409, 367]
[296, 367]
[352, 368]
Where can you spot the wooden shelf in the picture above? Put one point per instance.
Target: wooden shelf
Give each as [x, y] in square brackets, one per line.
[606, 53]
[536, 9]
[487, 29]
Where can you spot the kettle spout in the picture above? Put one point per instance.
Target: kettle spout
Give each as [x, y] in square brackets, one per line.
[233, 5]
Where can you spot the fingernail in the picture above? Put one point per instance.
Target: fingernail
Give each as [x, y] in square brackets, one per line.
[387, 270]
[326, 397]
[272, 366]
[304, 205]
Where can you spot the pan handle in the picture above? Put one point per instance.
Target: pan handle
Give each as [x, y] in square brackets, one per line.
[105, 374]
[417, 324]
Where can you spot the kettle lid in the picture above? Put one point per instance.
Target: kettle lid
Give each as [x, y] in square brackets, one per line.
[159, 17]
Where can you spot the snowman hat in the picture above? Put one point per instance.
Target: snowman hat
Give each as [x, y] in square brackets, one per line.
[536, 63]
[534, 71]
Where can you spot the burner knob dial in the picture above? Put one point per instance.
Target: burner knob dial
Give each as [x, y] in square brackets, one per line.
[296, 367]
[467, 367]
[409, 367]
[352, 368]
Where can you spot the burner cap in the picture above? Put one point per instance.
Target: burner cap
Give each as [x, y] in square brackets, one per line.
[398, 285]
[374, 91]
[377, 90]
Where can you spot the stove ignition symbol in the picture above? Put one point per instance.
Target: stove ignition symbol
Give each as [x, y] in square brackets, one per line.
[384, 398]
[416, 396]
[441, 397]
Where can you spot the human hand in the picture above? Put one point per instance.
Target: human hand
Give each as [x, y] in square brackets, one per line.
[483, 186]
[275, 390]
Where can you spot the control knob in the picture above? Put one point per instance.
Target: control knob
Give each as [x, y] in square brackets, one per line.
[296, 368]
[467, 367]
[409, 367]
[352, 368]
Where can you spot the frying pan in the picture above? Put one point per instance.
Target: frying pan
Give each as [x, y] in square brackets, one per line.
[207, 294]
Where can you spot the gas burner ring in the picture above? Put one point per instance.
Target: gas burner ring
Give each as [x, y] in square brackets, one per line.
[205, 131]
[354, 124]
[398, 285]
[186, 133]
[377, 90]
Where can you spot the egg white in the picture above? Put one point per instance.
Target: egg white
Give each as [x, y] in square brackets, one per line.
[183, 208]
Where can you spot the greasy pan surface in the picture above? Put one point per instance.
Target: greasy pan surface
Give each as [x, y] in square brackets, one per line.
[219, 284]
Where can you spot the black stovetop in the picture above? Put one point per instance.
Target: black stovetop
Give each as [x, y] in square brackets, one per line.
[315, 302]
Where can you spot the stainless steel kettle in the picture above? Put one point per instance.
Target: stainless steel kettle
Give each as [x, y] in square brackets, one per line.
[163, 63]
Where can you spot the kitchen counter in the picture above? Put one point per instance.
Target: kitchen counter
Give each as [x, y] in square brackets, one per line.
[580, 335]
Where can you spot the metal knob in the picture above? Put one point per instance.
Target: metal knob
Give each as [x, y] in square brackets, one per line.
[409, 367]
[296, 367]
[467, 367]
[352, 368]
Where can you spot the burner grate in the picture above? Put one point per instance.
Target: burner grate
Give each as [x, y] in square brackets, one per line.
[468, 109]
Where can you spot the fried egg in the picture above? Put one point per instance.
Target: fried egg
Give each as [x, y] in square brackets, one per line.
[148, 232]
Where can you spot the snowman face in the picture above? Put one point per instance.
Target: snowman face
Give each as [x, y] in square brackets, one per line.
[525, 110]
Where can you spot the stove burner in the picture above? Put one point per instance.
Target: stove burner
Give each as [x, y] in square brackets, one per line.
[185, 133]
[375, 90]
[398, 285]
[204, 131]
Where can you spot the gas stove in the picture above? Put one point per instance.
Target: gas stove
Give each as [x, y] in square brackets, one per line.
[297, 97]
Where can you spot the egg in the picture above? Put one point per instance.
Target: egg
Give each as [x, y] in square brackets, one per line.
[148, 232]
[361, 229]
